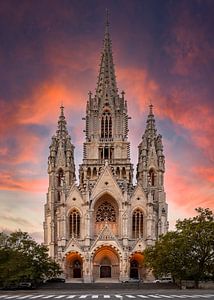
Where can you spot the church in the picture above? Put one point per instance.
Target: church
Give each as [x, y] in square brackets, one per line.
[98, 228]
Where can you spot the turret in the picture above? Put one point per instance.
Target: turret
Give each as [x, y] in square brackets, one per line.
[61, 172]
[151, 161]
[61, 166]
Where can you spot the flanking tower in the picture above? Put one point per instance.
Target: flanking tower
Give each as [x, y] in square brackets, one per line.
[150, 176]
[61, 171]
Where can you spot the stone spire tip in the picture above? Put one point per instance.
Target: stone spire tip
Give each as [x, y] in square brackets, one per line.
[150, 109]
[107, 21]
[62, 109]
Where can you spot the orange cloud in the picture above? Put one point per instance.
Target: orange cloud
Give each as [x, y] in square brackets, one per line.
[183, 107]
[186, 189]
[45, 102]
[206, 173]
[9, 182]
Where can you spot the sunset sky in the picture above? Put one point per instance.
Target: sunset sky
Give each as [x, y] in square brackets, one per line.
[50, 53]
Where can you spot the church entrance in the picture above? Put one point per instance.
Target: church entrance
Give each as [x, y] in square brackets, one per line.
[106, 264]
[105, 268]
[134, 270]
[137, 269]
[105, 272]
[73, 266]
[77, 269]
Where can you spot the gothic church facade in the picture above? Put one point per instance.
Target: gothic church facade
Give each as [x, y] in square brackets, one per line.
[98, 229]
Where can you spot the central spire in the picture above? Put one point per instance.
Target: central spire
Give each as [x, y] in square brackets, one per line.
[106, 79]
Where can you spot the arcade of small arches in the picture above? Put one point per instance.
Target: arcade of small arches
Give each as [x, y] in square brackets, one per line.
[105, 262]
[106, 153]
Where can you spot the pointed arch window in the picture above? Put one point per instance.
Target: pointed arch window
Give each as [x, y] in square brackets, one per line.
[89, 173]
[60, 177]
[74, 224]
[137, 224]
[152, 177]
[106, 125]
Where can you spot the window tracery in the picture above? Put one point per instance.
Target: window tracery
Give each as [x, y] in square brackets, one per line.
[137, 224]
[105, 212]
[106, 125]
[74, 223]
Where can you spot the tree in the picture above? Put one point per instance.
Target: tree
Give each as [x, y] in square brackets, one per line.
[188, 252]
[21, 258]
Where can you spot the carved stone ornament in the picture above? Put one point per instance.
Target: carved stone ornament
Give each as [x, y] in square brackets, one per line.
[106, 212]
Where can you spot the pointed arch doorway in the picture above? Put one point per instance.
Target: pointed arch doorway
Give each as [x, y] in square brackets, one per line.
[74, 266]
[105, 268]
[77, 269]
[106, 264]
[134, 269]
[137, 269]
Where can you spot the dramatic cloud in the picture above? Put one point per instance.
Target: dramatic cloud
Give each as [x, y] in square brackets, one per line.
[50, 54]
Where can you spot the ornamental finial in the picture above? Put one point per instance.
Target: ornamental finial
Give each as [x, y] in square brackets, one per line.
[62, 109]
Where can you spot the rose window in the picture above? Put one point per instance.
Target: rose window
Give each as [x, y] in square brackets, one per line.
[106, 212]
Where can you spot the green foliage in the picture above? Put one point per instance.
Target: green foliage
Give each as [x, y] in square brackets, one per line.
[21, 258]
[188, 252]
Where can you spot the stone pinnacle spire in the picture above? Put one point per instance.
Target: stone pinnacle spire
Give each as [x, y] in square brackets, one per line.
[150, 126]
[106, 78]
[62, 131]
[62, 150]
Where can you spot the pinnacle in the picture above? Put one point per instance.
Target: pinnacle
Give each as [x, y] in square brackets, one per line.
[150, 127]
[62, 131]
[62, 110]
[150, 109]
[106, 77]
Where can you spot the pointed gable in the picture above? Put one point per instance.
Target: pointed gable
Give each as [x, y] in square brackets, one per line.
[107, 183]
[152, 157]
[106, 235]
[138, 198]
[60, 159]
[75, 197]
[73, 246]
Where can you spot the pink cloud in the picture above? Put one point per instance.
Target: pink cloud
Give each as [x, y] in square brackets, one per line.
[9, 182]
[187, 190]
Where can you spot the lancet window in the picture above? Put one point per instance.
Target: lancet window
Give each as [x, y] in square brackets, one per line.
[152, 177]
[137, 224]
[106, 125]
[74, 223]
[60, 177]
[105, 212]
[106, 153]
